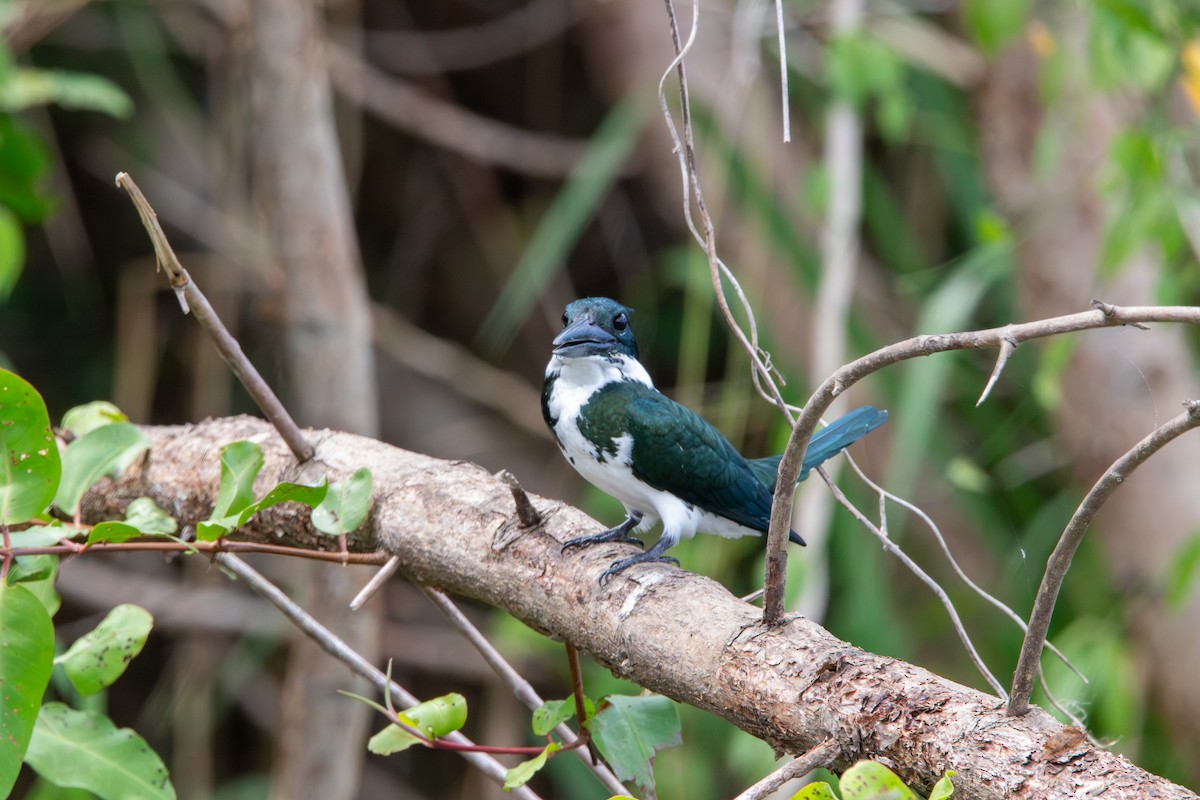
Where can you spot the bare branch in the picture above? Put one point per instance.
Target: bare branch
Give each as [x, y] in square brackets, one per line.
[976, 588]
[1068, 543]
[375, 584]
[517, 684]
[331, 644]
[848, 375]
[925, 578]
[820, 756]
[191, 298]
[685, 152]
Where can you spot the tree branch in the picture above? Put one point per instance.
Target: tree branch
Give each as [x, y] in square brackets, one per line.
[452, 525]
[1060, 560]
[1103, 316]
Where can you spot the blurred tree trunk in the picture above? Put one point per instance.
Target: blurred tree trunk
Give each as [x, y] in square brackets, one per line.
[330, 373]
[1120, 383]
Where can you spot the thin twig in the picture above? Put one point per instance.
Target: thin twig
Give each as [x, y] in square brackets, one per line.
[333, 645]
[376, 583]
[941, 540]
[890, 546]
[823, 755]
[917, 346]
[192, 299]
[219, 546]
[1008, 346]
[785, 100]
[1068, 543]
[685, 151]
[521, 688]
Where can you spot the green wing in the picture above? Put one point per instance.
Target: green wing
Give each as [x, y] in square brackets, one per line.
[676, 450]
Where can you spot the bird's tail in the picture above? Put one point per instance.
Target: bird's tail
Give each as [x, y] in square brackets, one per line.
[826, 443]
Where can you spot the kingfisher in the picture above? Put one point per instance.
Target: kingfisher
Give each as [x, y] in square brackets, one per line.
[662, 460]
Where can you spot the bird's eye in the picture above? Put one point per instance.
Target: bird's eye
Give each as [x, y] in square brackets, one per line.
[564, 320]
[620, 322]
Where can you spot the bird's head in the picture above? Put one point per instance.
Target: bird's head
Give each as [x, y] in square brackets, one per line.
[596, 327]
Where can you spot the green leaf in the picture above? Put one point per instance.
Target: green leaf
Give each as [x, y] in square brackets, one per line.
[993, 23]
[943, 788]
[817, 790]
[870, 780]
[552, 712]
[12, 251]
[85, 750]
[43, 588]
[145, 515]
[82, 420]
[240, 464]
[345, 505]
[629, 730]
[520, 774]
[562, 224]
[99, 657]
[433, 718]
[30, 569]
[108, 450]
[26, 659]
[112, 531]
[29, 464]
[216, 527]
[25, 88]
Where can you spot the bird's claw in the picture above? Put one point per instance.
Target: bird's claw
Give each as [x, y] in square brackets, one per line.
[597, 538]
[642, 558]
[617, 534]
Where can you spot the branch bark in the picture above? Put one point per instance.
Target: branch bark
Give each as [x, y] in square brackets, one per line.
[453, 525]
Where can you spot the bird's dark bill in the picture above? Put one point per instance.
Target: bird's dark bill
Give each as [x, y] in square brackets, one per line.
[583, 338]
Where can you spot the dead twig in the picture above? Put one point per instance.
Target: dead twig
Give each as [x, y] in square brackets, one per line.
[1068, 543]
[823, 755]
[193, 300]
[1105, 316]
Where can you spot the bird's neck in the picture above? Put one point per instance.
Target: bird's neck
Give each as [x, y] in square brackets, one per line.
[586, 375]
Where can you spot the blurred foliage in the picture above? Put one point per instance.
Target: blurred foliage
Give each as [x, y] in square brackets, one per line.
[485, 257]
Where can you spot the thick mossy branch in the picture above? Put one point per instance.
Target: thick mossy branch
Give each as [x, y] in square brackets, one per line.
[454, 525]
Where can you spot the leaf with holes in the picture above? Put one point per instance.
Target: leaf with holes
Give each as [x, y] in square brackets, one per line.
[29, 464]
[26, 658]
[817, 790]
[99, 657]
[870, 780]
[629, 730]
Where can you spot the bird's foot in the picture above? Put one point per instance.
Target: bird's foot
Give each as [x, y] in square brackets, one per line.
[611, 535]
[617, 534]
[641, 558]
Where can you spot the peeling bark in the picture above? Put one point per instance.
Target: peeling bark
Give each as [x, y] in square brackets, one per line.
[454, 526]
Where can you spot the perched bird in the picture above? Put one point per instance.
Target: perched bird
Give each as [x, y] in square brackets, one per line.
[662, 460]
